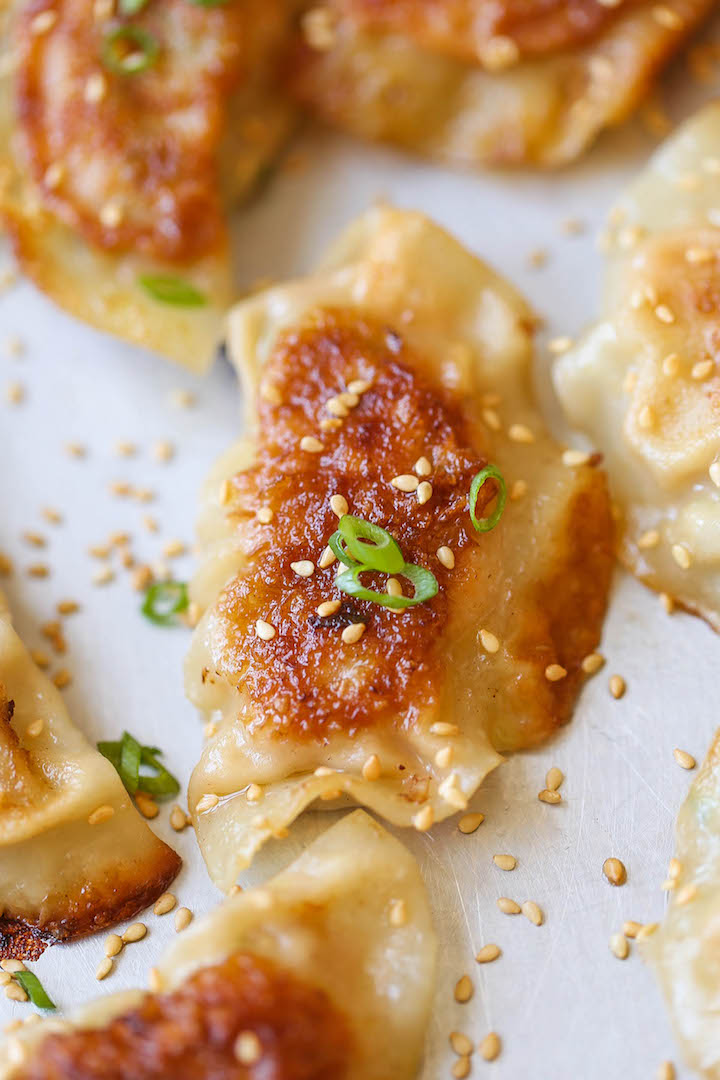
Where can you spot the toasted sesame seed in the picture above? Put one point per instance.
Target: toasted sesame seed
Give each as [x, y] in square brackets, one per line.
[592, 663]
[573, 458]
[337, 408]
[146, 805]
[35, 728]
[451, 792]
[206, 802]
[667, 603]
[444, 757]
[43, 21]
[103, 813]
[113, 945]
[424, 492]
[508, 906]
[646, 931]
[490, 1046]
[371, 768]
[687, 893]
[666, 17]
[619, 946]
[15, 992]
[104, 575]
[12, 966]
[714, 472]
[532, 912]
[684, 760]
[183, 918]
[328, 607]
[555, 672]
[95, 88]
[164, 904]
[553, 778]
[247, 1048]
[631, 929]
[265, 515]
[488, 953]
[311, 445]
[254, 793]
[38, 570]
[40, 657]
[671, 365]
[468, 823]
[422, 466]
[492, 419]
[424, 818]
[331, 423]
[489, 642]
[154, 980]
[464, 989]
[550, 796]
[505, 862]
[135, 932]
[460, 1044]
[359, 386]
[393, 587]
[518, 490]
[339, 505]
[442, 727]
[5, 978]
[666, 1071]
[172, 549]
[617, 686]
[265, 630]
[702, 369]
[178, 819]
[163, 451]
[6, 566]
[649, 539]
[327, 558]
[142, 577]
[664, 314]
[304, 568]
[520, 433]
[615, 871]
[682, 556]
[351, 634]
[560, 345]
[405, 482]
[398, 913]
[104, 968]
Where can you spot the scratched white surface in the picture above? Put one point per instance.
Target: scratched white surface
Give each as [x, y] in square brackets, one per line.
[564, 1006]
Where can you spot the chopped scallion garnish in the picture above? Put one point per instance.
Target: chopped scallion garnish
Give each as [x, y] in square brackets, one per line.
[370, 545]
[34, 989]
[169, 289]
[128, 50]
[424, 583]
[490, 472]
[130, 758]
[164, 601]
[367, 548]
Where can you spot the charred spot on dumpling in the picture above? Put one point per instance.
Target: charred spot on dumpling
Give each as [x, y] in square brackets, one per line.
[243, 1017]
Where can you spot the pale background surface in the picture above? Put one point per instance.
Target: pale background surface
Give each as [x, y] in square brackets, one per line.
[564, 1006]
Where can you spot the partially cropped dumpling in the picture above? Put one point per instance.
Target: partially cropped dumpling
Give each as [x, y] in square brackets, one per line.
[125, 135]
[75, 855]
[499, 81]
[644, 382]
[377, 391]
[325, 973]
[686, 949]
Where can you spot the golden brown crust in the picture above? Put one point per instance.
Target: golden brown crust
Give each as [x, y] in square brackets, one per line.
[190, 1034]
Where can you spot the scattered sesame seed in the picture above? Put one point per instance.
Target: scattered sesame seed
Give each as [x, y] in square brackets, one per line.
[532, 912]
[95, 88]
[15, 992]
[183, 918]
[686, 893]
[6, 566]
[461, 1045]
[328, 607]
[520, 433]
[574, 458]
[702, 369]
[62, 678]
[154, 980]
[43, 21]
[553, 778]
[135, 932]
[489, 642]
[254, 793]
[646, 931]
[649, 539]
[338, 505]
[684, 760]
[265, 515]
[35, 728]
[247, 1047]
[666, 1071]
[371, 768]
[163, 451]
[311, 445]
[405, 482]
[671, 365]
[518, 490]
[592, 663]
[664, 314]
[488, 953]
[490, 1046]
[265, 630]
[113, 945]
[15, 393]
[619, 946]
[714, 471]
[359, 386]
[555, 672]
[102, 813]
[424, 818]
[631, 929]
[617, 686]
[351, 634]
[337, 408]
[646, 417]
[305, 568]
[164, 904]
[178, 819]
[398, 913]
[682, 556]
[446, 556]
[424, 492]
[444, 757]
[40, 657]
[442, 727]
[172, 549]
[327, 558]
[12, 966]
[67, 607]
[451, 792]
[422, 466]
[104, 575]
[614, 870]
[550, 796]
[470, 822]
[560, 345]
[667, 602]
[206, 802]
[146, 805]
[508, 906]
[666, 17]
[464, 989]
[104, 968]
[505, 862]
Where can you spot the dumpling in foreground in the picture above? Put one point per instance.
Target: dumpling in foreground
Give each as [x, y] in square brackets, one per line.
[125, 138]
[644, 382]
[685, 949]
[325, 973]
[75, 855]
[378, 390]
[498, 81]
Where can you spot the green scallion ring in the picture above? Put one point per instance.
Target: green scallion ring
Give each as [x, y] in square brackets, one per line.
[424, 583]
[335, 543]
[172, 290]
[370, 545]
[164, 601]
[490, 472]
[34, 989]
[128, 50]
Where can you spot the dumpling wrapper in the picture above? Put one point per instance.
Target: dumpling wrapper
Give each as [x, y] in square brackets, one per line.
[499, 83]
[60, 876]
[420, 699]
[644, 382]
[348, 921]
[685, 951]
[96, 193]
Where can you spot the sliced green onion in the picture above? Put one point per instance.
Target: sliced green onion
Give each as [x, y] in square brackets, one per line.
[335, 543]
[128, 757]
[370, 545]
[424, 583]
[131, 7]
[128, 50]
[490, 472]
[34, 989]
[172, 290]
[164, 601]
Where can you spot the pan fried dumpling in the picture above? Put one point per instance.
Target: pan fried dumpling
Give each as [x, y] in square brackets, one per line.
[644, 383]
[125, 139]
[75, 855]
[326, 973]
[684, 951]
[498, 81]
[402, 362]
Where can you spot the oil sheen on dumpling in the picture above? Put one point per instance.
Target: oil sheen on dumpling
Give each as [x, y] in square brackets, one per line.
[326, 973]
[644, 382]
[498, 81]
[113, 175]
[685, 951]
[432, 350]
[75, 855]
